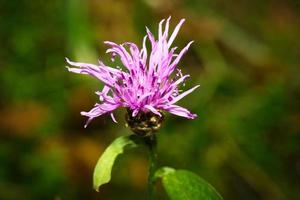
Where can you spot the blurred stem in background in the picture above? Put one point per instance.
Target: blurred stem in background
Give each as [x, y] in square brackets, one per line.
[80, 36]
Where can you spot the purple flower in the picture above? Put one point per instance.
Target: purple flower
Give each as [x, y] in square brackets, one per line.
[148, 84]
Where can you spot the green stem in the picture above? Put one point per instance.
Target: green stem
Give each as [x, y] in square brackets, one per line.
[152, 144]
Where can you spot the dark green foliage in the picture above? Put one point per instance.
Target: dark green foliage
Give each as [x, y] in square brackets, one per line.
[245, 141]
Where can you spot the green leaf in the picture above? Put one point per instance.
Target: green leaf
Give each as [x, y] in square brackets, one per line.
[163, 172]
[102, 172]
[185, 185]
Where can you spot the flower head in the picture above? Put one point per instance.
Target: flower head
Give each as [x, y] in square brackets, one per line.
[148, 84]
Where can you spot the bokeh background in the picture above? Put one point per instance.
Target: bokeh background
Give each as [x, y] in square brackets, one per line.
[245, 56]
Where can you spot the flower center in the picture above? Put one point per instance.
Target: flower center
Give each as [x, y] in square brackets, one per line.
[144, 123]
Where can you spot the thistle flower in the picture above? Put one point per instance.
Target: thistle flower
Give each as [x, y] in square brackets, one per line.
[147, 85]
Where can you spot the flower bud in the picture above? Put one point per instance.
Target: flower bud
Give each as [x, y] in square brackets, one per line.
[144, 123]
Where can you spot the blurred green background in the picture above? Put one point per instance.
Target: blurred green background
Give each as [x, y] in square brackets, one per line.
[246, 57]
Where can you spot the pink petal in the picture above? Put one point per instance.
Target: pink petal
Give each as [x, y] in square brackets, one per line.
[174, 34]
[180, 111]
[113, 117]
[177, 98]
[98, 110]
[152, 109]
